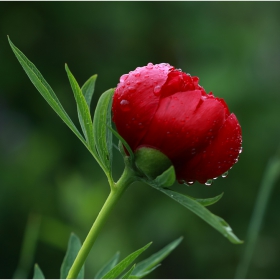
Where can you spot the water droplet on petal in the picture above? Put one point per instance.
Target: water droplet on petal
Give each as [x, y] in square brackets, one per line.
[240, 150]
[157, 90]
[209, 182]
[141, 125]
[123, 78]
[137, 74]
[224, 175]
[125, 105]
[189, 183]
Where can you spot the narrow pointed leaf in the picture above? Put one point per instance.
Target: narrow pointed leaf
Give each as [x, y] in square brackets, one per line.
[207, 201]
[102, 135]
[148, 264]
[127, 274]
[83, 110]
[88, 89]
[131, 154]
[216, 222]
[44, 88]
[108, 266]
[74, 245]
[120, 267]
[38, 274]
[144, 273]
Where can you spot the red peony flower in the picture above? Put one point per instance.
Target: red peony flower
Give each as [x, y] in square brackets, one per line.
[161, 107]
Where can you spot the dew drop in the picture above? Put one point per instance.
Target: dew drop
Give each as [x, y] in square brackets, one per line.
[240, 150]
[137, 74]
[123, 78]
[157, 90]
[125, 105]
[224, 175]
[181, 181]
[189, 183]
[209, 182]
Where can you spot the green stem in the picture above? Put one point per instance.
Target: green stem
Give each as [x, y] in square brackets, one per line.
[269, 179]
[117, 190]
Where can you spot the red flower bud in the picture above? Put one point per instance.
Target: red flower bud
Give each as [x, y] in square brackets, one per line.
[164, 108]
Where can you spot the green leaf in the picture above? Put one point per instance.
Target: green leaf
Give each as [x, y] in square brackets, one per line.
[127, 274]
[88, 89]
[38, 274]
[108, 266]
[149, 264]
[120, 267]
[74, 245]
[124, 143]
[83, 110]
[44, 88]
[207, 201]
[216, 222]
[144, 273]
[102, 135]
[167, 178]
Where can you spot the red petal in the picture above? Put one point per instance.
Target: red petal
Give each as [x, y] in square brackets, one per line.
[216, 158]
[136, 100]
[184, 124]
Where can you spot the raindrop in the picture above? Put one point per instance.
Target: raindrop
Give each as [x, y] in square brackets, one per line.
[209, 182]
[123, 78]
[125, 105]
[150, 65]
[157, 90]
[224, 175]
[189, 183]
[137, 74]
[240, 150]
[179, 69]
[193, 151]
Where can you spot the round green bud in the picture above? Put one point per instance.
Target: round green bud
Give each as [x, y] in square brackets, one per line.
[151, 162]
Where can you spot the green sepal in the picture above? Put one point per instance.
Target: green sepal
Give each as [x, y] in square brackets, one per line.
[38, 274]
[74, 245]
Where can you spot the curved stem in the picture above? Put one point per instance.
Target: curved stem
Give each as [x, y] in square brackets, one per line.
[127, 178]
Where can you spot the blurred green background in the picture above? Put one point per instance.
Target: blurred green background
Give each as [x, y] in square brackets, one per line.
[48, 178]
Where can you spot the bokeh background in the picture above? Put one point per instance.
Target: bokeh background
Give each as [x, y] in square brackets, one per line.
[50, 184]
